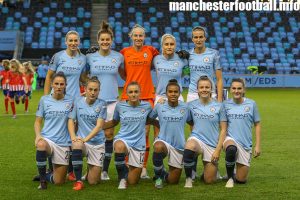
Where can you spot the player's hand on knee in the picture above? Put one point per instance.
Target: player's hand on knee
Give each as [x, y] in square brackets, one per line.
[215, 157]
[37, 139]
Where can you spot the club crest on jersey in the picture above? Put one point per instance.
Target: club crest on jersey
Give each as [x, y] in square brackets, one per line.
[182, 111]
[143, 111]
[145, 55]
[79, 62]
[97, 109]
[68, 106]
[212, 109]
[113, 60]
[206, 59]
[176, 64]
[247, 109]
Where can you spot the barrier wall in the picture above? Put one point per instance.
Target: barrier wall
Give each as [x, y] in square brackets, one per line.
[255, 81]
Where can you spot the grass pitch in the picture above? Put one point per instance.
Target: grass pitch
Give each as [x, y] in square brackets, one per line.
[274, 175]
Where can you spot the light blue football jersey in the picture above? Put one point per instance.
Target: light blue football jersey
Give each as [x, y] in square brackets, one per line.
[204, 64]
[72, 67]
[87, 116]
[167, 69]
[133, 120]
[106, 69]
[207, 120]
[172, 122]
[55, 114]
[241, 118]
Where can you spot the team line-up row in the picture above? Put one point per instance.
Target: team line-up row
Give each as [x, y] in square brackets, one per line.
[134, 65]
[214, 125]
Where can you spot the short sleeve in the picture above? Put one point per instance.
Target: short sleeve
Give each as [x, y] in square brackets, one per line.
[223, 117]
[153, 114]
[154, 51]
[40, 109]
[103, 112]
[121, 58]
[73, 113]
[217, 61]
[116, 116]
[256, 116]
[84, 69]
[54, 62]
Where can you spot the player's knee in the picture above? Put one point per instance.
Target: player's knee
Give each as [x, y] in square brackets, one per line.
[231, 153]
[41, 145]
[190, 145]
[119, 147]
[159, 146]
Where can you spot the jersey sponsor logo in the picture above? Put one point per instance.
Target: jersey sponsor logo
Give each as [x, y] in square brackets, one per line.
[134, 119]
[88, 117]
[173, 119]
[145, 55]
[206, 59]
[247, 108]
[113, 60]
[176, 64]
[212, 109]
[237, 116]
[203, 116]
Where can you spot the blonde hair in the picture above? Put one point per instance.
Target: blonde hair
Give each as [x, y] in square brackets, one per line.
[74, 33]
[7, 67]
[135, 27]
[30, 69]
[165, 36]
[17, 63]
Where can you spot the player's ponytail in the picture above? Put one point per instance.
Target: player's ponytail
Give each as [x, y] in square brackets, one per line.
[105, 28]
[93, 79]
[173, 82]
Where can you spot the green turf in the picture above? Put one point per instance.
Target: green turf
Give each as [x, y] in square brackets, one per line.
[274, 175]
